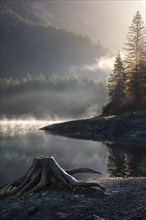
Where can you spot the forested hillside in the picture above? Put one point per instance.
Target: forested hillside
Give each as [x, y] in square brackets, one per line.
[29, 47]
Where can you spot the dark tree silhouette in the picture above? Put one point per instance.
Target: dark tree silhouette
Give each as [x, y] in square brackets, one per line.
[116, 87]
[135, 59]
[126, 162]
[127, 83]
[116, 80]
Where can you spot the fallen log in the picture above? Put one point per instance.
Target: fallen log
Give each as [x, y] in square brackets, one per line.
[44, 171]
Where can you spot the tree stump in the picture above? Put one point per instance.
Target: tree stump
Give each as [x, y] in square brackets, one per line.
[44, 171]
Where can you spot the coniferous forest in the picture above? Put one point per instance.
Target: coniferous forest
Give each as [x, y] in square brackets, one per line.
[127, 82]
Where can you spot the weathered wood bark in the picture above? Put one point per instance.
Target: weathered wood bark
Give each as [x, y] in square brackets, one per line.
[43, 171]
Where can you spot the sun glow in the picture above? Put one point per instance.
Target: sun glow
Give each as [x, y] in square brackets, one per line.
[104, 63]
[144, 3]
[144, 9]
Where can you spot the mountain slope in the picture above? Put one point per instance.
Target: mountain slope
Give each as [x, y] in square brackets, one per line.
[28, 47]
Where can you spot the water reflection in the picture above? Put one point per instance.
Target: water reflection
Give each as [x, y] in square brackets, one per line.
[126, 161]
[19, 149]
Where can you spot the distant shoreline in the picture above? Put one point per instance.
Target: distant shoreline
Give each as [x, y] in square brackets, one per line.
[127, 128]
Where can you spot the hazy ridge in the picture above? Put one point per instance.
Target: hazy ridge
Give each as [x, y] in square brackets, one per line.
[46, 70]
[32, 47]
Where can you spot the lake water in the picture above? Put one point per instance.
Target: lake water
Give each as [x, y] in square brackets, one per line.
[22, 140]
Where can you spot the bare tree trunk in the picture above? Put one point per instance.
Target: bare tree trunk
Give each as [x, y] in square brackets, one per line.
[45, 170]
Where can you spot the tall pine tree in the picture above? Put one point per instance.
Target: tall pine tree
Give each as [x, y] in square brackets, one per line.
[135, 58]
[116, 88]
[127, 83]
[116, 81]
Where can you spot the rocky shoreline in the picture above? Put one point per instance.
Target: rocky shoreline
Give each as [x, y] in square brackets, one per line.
[124, 199]
[128, 128]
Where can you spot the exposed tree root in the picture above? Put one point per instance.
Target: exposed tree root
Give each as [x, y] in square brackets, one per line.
[44, 171]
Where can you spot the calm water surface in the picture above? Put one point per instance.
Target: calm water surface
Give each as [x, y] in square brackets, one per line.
[21, 141]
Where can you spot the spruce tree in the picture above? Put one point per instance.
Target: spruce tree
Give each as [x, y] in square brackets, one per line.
[135, 58]
[116, 82]
[116, 88]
